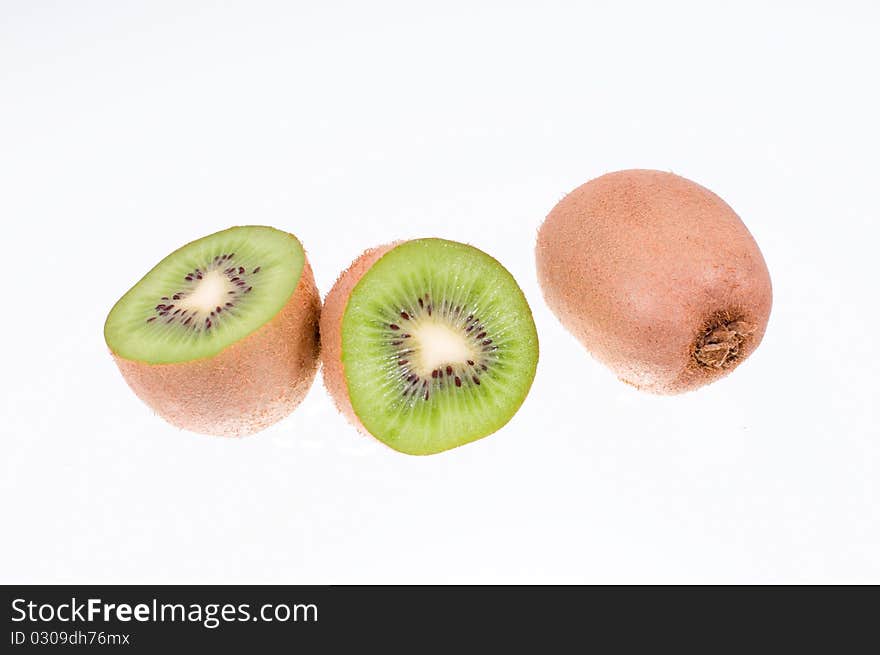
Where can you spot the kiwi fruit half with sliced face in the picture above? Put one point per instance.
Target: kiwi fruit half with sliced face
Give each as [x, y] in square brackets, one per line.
[427, 345]
[221, 336]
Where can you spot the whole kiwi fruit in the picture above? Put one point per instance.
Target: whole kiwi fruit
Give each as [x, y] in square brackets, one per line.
[657, 277]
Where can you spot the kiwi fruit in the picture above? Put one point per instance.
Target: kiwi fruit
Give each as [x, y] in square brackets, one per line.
[657, 277]
[427, 345]
[221, 336]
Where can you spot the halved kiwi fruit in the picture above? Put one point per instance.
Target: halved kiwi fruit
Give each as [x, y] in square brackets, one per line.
[221, 336]
[428, 344]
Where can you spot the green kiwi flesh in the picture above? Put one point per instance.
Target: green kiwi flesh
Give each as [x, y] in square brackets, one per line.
[206, 295]
[439, 347]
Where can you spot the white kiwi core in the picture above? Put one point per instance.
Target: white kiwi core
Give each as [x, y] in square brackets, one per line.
[210, 292]
[438, 345]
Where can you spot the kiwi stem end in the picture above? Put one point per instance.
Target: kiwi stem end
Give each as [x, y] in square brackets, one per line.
[721, 346]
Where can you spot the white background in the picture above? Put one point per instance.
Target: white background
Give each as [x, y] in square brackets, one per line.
[128, 129]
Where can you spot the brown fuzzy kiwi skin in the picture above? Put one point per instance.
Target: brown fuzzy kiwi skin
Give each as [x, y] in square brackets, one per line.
[657, 277]
[331, 329]
[249, 385]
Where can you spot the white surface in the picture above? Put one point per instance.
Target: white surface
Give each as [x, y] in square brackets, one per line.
[127, 129]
